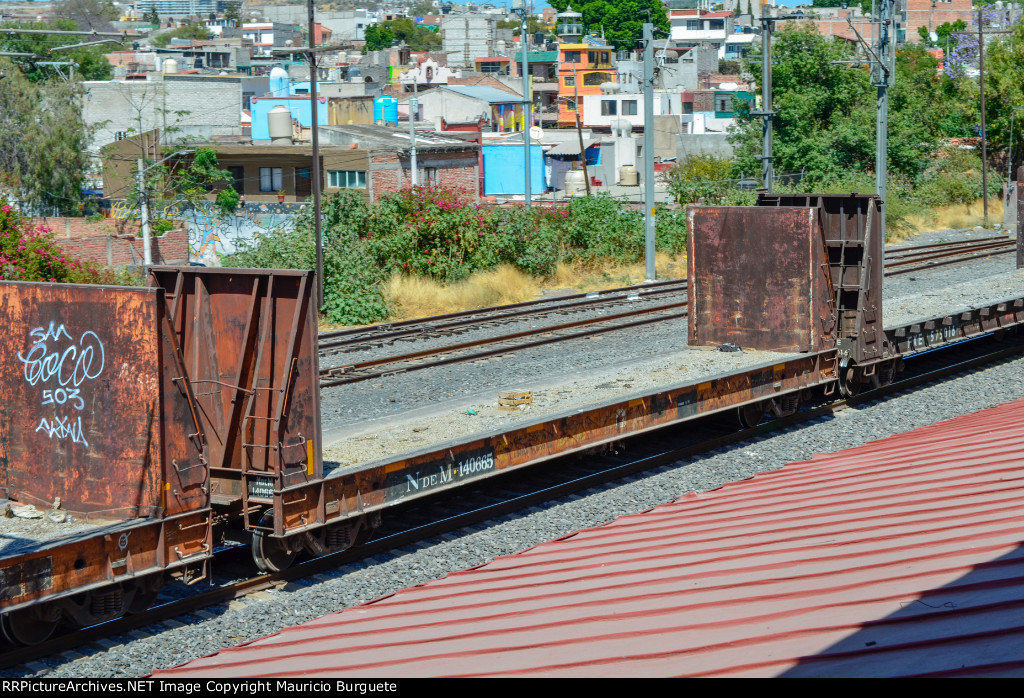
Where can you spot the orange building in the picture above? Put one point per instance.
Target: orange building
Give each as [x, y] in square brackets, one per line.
[583, 65]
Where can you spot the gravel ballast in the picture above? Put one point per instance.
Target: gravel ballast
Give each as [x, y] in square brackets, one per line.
[269, 611]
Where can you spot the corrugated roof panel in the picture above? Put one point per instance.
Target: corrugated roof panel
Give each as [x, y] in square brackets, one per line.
[899, 557]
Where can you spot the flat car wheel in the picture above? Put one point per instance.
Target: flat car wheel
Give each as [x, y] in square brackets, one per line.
[27, 626]
[271, 554]
[750, 415]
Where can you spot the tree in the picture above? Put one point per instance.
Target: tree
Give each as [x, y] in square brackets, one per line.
[232, 11]
[378, 37]
[1004, 92]
[197, 31]
[825, 111]
[622, 20]
[90, 62]
[416, 37]
[153, 17]
[88, 15]
[43, 141]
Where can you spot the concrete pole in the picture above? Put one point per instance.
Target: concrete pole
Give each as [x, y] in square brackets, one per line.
[414, 105]
[314, 169]
[882, 106]
[981, 96]
[649, 150]
[767, 170]
[526, 108]
[147, 249]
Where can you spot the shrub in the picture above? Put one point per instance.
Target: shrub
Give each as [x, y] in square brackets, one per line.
[30, 254]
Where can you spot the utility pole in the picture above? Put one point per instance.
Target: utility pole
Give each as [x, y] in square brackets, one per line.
[147, 245]
[649, 150]
[883, 68]
[414, 105]
[520, 8]
[766, 113]
[981, 95]
[314, 169]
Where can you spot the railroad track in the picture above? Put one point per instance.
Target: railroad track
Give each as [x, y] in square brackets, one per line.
[900, 261]
[522, 489]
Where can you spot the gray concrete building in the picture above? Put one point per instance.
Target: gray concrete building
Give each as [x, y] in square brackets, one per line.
[204, 108]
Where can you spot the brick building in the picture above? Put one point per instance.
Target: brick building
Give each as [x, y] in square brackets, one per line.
[368, 158]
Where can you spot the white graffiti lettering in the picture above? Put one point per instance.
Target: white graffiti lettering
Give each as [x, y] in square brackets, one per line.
[71, 366]
[61, 396]
[63, 428]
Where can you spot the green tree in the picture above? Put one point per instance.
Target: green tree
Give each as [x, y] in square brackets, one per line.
[622, 20]
[90, 62]
[233, 11]
[152, 17]
[196, 30]
[825, 111]
[43, 141]
[416, 37]
[1004, 92]
[378, 37]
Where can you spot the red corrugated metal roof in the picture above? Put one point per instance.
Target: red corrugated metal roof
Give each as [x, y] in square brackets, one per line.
[900, 557]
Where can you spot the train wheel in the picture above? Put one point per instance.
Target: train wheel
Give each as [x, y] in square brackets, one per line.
[271, 554]
[146, 592]
[849, 380]
[29, 626]
[750, 415]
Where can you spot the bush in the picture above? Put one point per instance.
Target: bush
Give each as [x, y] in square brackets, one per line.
[30, 254]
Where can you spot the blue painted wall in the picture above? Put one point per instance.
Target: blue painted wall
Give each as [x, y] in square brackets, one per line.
[299, 107]
[503, 169]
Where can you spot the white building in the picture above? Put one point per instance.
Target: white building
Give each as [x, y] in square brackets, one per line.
[604, 110]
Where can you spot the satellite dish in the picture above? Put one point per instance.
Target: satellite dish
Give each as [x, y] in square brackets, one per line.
[933, 36]
[536, 133]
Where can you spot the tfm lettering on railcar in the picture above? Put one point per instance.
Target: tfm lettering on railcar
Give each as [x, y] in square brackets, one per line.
[935, 336]
[438, 473]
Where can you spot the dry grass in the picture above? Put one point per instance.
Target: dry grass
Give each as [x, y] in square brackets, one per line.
[417, 297]
[958, 216]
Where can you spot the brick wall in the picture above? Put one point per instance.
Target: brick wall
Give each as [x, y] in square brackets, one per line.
[115, 243]
[390, 173]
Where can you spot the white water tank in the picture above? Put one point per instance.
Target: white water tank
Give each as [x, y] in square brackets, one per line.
[628, 176]
[170, 66]
[279, 123]
[279, 82]
[575, 183]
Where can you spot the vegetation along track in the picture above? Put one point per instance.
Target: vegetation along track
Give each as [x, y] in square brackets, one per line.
[898, 261]
[520, 490]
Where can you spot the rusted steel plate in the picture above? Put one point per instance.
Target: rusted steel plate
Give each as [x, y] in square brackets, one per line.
[249, 339]
[103, 555]
[361, 489]
[1020, 225]
[851, 229]
[758, 278]
[956, 326]
[90, 410]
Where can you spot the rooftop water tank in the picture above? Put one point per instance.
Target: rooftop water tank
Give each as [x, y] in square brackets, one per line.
[279, 122]
[575, 183]
[170, 66]
[385, 110]
[628, 176]
[279, 82]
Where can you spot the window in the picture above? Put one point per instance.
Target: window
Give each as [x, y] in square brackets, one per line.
[570, 80]
[716, 24]
[608, 107]
[430, 176]
[270, 179]
[692, 25]
[592, 56]
[604, 56]
[629, 107]
[346, 179]
[723, 103]
[238, 178]
[570, 105]
[572, 56]
[595, 78]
